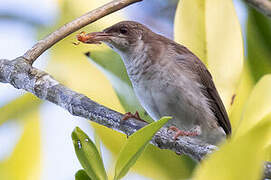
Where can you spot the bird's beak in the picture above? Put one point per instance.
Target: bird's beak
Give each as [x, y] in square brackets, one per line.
[93, 38]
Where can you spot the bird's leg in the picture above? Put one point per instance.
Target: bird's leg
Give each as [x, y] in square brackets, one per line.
[130, 115]
[183, 133]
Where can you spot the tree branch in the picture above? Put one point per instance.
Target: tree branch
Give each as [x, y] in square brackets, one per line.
[267, 170]
[32, 54]
[22, 75]
[264, 6]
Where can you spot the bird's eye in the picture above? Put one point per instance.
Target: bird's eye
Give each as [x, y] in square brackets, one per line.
[123, 30]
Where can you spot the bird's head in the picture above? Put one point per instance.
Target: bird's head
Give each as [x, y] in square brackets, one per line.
[123, 37]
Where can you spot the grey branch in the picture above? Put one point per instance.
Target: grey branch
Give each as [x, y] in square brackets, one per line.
[32, 54]
[267, 170]
[22, 75]
[264, 6]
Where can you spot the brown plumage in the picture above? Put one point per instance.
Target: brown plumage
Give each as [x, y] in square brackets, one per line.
[168, 79]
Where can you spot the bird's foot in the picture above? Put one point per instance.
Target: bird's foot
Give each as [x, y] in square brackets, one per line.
[182, 133]
[130, 115]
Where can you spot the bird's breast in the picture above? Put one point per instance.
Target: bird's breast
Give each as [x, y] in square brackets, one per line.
[165, 93]
[160, 97]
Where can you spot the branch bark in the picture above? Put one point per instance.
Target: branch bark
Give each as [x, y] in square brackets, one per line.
[267, 170]
[22, 75]
[264, 6]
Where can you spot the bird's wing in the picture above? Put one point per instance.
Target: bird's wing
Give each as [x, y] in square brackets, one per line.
[209, 87]
[212, 94]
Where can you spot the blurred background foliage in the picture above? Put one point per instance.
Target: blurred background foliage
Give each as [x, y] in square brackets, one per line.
[99, 73]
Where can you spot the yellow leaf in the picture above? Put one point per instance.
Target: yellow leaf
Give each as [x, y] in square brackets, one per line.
[241, 158]
[257, 106]
[211, 30]
[268, 153]
[240, 97]
[24, 163]
[189, 29]
[17, 108]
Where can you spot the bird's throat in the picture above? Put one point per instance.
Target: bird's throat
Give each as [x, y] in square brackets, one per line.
[138, 66]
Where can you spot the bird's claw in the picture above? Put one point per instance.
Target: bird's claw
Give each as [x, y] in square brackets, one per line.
[130, 115]
[182, 133]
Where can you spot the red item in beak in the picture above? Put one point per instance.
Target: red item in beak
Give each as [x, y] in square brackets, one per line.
[92, 38]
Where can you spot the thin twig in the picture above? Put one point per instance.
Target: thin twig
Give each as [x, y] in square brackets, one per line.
[32, 54]
[264, 6]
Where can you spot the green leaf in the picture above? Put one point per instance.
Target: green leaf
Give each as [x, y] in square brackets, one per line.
[18, 107]
[258, 43]
[97, 141]
[240, 158]
[112, 66]
[257, 106]
[153, 161]
[81, 175]
[213, 33]
[135, 146]
[88, 155]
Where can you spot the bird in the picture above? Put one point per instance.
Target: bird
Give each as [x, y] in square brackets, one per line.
[168, 80]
